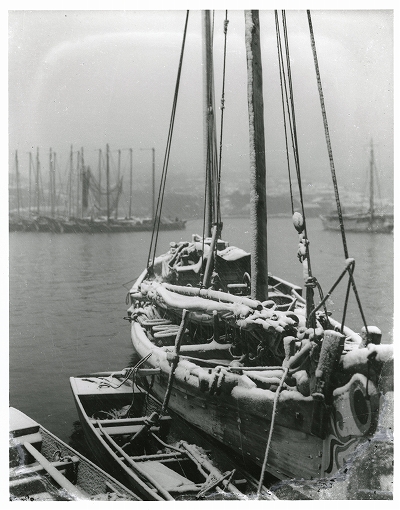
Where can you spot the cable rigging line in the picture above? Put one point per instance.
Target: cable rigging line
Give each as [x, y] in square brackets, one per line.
[284, 96]
[157, 219]
[222, 121]
[333, 172]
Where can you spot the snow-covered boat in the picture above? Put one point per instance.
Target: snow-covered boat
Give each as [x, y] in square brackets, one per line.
[128, 432]
[44, 468]
[262, 369]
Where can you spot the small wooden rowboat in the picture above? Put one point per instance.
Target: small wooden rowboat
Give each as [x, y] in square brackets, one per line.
[44, 468]
[127, 429]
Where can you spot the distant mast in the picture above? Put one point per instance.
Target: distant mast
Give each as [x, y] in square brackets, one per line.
[258, 196]
[51, 198]
[108, 181]
[78, 182]
[17, 181]
[70, 182]
[30, 183]
[118, 178]
[37, 181]
[371, 184]
[153, 180]
[130, 184]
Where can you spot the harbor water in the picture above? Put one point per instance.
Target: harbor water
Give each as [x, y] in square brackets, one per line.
[68, 291]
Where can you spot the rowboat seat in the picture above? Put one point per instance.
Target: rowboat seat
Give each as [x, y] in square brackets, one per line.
[166, 477]
[123, 430]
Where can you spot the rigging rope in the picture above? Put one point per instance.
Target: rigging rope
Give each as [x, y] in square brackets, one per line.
[157, 219]
[333, 172]
[294, 137]
[282, 78]
[222, 121]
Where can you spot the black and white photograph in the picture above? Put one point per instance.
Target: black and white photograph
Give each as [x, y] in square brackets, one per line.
[200, 251]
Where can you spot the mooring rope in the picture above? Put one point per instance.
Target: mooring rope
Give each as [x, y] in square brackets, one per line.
[264, 466]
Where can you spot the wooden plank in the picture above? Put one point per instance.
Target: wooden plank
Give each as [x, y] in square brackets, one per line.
[71, 489]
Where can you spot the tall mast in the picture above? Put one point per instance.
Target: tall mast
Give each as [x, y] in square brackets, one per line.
[118, 177]
[78, 180]
[54, 181]
[210, 145]
[83, 184]
[130, 184]
[153, 180]
[37, 181]
[30, 183]
[70, 183]
[17, 181]
[371, 183]
[108, 181]
[51, 198]
[258, 196]
[100, 201]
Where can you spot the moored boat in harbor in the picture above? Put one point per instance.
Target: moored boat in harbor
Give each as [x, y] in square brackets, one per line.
[44, 468]
[127, 430]
[262, 369]
[370, 221]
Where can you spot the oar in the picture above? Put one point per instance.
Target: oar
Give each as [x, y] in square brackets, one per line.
[175, 359]
[72, 490]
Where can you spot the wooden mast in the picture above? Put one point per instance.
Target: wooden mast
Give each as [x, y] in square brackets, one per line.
[108, 181]
[210, 155]
[130, 184]
[30, 183]
[78, 181]
[153, 181]
[258, 196]
[54, 184]
[37, 181]
[118, 178]
[51, 199]
[70, 183]
[99, 197]
[83, 185]
[371, 185]
[17, 182]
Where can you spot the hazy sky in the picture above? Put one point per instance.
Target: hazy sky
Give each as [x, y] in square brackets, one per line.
[89, 78]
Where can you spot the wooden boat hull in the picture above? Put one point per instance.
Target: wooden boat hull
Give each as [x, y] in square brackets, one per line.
[176, 472]
[309, 439]
[29, 480]
[101, 450]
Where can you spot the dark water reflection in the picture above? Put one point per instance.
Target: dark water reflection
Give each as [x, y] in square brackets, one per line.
[67, 301]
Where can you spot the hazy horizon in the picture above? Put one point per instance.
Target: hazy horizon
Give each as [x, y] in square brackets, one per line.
[91, 78]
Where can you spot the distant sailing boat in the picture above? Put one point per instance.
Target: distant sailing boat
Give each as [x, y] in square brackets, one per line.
[363, 221]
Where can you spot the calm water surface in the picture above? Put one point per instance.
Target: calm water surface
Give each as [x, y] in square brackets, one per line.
[67, 300]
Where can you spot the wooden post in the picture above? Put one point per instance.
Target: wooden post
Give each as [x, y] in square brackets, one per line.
[331, 349]
[258, 196]
[71, 489]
